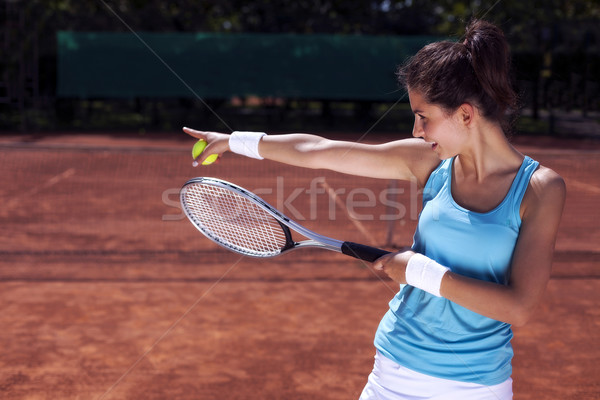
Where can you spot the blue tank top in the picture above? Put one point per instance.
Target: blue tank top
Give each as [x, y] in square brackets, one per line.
[433, 335]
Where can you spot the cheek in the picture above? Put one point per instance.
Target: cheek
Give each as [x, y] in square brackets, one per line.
[433, 129]
[446, 129]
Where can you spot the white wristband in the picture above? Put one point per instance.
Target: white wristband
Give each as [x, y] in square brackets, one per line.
[246, 143]
[424, 273]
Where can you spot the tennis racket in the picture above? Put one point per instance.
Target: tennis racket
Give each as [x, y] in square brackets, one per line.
[244, 223]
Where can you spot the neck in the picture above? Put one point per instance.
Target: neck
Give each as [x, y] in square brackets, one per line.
[487, 152]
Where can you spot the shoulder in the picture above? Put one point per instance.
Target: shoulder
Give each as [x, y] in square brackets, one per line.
[403, 159]
[548, 182]
[418, 156]
[546, 192]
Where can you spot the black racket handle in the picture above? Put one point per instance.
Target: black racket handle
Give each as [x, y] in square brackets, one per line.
[362, 252]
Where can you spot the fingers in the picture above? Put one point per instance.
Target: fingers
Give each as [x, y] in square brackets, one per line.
[207, 157]
[394, 264]
[216, 145]
[195, 133]
[379, 264]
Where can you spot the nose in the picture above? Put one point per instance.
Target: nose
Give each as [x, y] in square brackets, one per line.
[417, 131]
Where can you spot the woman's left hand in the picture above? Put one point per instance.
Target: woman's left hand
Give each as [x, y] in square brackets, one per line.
[394, 264]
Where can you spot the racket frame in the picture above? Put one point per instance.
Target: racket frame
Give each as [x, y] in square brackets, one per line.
[314, 239]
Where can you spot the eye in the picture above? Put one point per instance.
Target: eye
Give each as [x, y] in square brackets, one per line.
[421, 116]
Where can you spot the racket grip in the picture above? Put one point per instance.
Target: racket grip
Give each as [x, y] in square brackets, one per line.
[362, 252]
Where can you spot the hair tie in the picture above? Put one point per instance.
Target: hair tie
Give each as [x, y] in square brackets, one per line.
[467, 45]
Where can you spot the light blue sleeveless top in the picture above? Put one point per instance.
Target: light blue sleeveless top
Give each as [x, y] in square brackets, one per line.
[433, 335]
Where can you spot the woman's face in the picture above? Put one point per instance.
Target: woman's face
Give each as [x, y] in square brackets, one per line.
[436, 127]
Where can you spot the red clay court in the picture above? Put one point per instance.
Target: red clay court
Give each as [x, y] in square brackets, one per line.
[107, 292]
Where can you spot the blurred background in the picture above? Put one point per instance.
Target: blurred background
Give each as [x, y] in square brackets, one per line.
[152, 65]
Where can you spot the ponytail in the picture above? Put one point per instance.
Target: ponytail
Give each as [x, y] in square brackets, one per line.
[490, 58]
[476, 71]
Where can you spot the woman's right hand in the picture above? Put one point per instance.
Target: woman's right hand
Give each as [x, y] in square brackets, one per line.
[217, 143]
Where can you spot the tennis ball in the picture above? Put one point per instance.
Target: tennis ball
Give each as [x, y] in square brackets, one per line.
[198, 148]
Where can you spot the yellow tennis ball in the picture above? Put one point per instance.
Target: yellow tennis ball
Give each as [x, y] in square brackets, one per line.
[198, 148]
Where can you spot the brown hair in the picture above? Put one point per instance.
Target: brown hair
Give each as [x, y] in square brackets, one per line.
[476, 71]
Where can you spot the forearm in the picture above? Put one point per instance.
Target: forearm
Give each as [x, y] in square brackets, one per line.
[500, 302]
[298, 149]
[513, 303]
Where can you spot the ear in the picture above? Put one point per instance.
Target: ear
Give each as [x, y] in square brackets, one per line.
[466, 113]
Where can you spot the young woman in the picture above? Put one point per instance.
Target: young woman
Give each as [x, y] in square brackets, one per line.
[482, 251]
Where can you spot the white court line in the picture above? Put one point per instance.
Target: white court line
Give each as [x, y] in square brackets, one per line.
[351, 216]
[38, 188]
[583, 186]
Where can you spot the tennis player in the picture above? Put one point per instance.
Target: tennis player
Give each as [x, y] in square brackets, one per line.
[483, 247]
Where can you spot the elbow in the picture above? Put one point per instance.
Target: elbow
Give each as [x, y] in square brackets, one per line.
[520, 315]
[518, 321]
[523, 305]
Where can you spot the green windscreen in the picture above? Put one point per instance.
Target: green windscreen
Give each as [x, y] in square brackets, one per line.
[220, 66]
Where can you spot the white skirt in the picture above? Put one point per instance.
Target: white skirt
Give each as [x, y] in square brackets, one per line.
[390, 381]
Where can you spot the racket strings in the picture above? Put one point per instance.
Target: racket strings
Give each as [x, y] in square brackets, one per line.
[234, 221]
